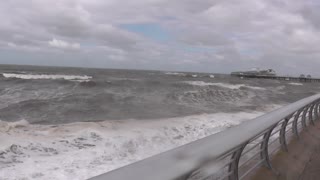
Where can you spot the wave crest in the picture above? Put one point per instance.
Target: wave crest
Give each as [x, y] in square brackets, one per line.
[47, 76]
[89, 149]
[223, 85]
[7, 126]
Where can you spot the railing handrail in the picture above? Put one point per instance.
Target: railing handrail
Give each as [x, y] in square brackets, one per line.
[180, 162]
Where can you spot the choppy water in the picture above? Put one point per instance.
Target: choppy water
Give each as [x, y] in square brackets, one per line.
[72, 123]
[62, 95]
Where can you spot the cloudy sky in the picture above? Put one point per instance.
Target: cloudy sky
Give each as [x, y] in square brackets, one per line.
[183, 35]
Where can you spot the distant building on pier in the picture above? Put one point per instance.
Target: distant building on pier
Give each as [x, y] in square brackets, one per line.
[255, 72]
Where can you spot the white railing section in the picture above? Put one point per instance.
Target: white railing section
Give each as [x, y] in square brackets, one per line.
[231, 154]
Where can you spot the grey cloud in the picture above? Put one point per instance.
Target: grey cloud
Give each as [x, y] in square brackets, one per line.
[312, 14]
[115, 37]
[278, 34]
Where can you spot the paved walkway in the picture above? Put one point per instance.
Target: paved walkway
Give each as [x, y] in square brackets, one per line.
[302, 162]
[312, 168]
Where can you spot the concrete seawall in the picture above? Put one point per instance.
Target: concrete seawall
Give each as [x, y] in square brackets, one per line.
[302, 162]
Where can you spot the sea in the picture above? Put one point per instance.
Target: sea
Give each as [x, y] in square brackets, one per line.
[76, 123]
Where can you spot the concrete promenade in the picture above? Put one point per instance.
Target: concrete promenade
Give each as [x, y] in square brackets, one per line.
[302, 162]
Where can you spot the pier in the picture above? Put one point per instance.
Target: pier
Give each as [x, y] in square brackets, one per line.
[284, 78]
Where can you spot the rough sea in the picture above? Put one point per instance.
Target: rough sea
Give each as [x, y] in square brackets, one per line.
[76, 123]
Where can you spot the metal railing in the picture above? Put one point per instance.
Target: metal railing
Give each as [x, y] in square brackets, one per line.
[231, 154]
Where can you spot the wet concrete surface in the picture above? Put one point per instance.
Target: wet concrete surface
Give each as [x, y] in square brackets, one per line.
[302, 162]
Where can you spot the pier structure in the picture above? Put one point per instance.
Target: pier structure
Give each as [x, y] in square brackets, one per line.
[284, 78]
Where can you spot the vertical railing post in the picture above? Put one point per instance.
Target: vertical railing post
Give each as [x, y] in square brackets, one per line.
[264, 154]
[234, 165]
[283, 141]
[311, 114]
[295, 123]
[316, 111]
[304, 114]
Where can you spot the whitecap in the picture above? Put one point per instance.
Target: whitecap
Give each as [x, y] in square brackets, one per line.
[296, 84]
[47, 76]
[86, 149]
[7, 126]
[224, 85]
[175, 73]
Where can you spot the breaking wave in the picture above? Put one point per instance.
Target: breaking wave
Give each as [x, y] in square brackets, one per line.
[86, 149]
[175, 73]
[48, 76]
[224, 85]
[296, 84]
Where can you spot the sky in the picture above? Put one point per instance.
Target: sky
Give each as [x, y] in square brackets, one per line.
[174, 35]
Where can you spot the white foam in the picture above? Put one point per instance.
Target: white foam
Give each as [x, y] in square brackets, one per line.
[224, 85]
[175, 73]
[211, 76]
[83, 150]
[47, 76]
[6, 126]
[296, 84]
[256, 88]
[79, 80]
